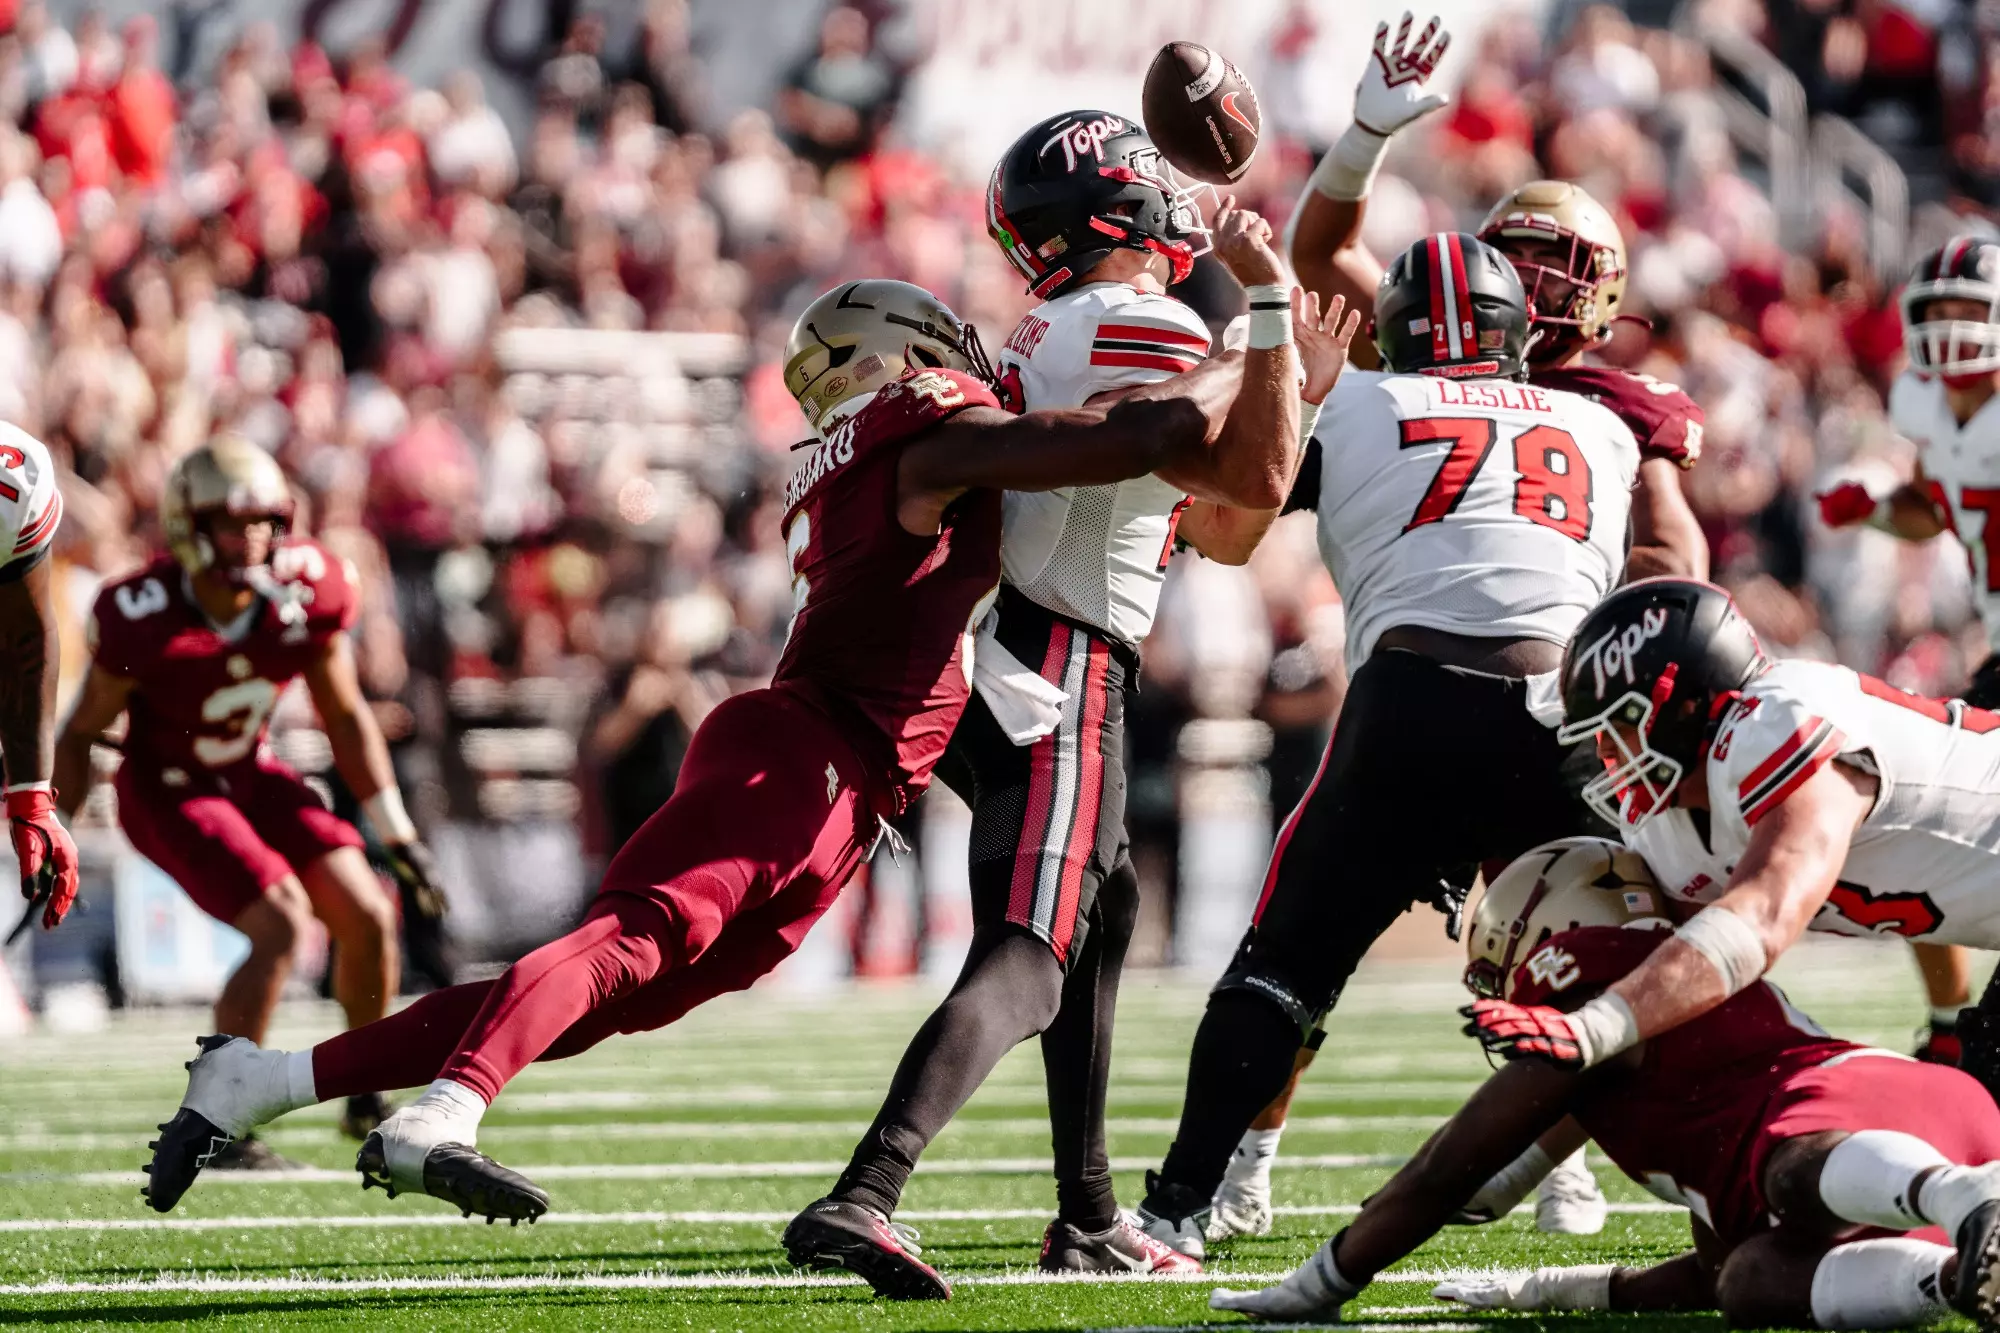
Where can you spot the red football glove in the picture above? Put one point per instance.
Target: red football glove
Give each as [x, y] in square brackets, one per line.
[47, 856]
[1845, 505]
[1518, 1031]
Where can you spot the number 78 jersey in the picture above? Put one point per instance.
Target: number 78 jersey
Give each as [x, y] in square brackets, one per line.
[1486, 508]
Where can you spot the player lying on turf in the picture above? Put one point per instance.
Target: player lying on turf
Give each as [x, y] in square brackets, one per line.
[1794, 1152]
[196, 648]
[1783, 796]
[894, 529]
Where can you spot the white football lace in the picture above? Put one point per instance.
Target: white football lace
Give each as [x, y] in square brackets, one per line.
[908, 1235]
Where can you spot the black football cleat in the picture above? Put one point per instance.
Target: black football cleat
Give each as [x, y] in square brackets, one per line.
[251, 1153]
[834, 1234]
[1976, 1294]
[187, 1143]
[193, 1139]
[463, 1177]
[1119, 1248]
[363, 1114]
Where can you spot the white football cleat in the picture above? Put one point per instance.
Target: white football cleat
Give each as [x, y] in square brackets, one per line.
[233, 1087]
[1568, 1201]
[1241, 1208]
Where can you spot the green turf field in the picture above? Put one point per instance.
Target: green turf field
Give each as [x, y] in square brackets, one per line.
[675, 1159]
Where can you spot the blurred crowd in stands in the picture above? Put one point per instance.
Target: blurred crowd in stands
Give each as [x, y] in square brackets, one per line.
[567, 560]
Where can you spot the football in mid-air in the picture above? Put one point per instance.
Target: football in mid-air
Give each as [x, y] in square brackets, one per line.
[1202, 113]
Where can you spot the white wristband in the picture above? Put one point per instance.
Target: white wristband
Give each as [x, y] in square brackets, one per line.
[1270, 315]
[1728, 942]
[43, 785]
[392, 822]
[1604, 1027]
[1587, 1287]
[1347, 172]
[1308, 419]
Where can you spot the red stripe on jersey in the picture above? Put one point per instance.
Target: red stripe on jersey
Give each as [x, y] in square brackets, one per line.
[1089, 795]
[39, 531]
[1440, 323]
[1041, 792]
[1166, 361]
[1159, 333]
[1777, 759]
[1803, 769]
[1461, 301]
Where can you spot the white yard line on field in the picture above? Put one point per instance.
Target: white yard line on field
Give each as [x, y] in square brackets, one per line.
[625, 1282]
[696, 1217]
[943, 1166]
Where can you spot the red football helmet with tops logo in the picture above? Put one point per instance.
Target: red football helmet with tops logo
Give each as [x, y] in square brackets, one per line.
[1084, 183]
[1653, 668]
[1451, 305]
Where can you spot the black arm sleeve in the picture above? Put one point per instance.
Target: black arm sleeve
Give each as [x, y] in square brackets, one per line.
[1305, 487]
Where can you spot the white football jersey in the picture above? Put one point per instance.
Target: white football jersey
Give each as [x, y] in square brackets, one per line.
[1480, 507]
[1964, 462]
[1925, 863]
[1095, 553]
[30, 504]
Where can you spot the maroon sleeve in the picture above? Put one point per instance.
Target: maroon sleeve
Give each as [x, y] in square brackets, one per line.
[1577, 964]
[920, 400]
[126, 622]
[1665, 421]
[336, 602]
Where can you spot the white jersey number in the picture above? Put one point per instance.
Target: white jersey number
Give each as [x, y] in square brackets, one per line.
[242, 708]
[1554, 485]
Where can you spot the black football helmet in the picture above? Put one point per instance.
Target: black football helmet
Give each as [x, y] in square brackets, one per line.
[1965, 268]
[1452, 305]
[1082, 184]
[1662, 658]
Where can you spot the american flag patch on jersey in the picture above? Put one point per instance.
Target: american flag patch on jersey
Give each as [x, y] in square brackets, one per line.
[1142, 343]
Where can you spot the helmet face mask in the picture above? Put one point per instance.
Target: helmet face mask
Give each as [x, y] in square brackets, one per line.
[1558, 886]
[214, 498]
[1965, 270]
[862, 336]
[1640, 782]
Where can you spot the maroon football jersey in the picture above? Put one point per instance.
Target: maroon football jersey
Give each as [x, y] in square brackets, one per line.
[1683, 1121]
[1666, 422]
[202, 696]
[882, 620]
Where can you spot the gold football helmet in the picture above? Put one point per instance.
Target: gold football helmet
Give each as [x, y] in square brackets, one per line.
[864, 335]
[228, 475]
[1577, 233]
[1561, 885]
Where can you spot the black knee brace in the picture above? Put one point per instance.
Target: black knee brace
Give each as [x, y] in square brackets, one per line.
[1259, 971]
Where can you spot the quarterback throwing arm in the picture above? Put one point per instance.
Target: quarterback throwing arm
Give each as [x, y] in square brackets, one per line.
[30, 510]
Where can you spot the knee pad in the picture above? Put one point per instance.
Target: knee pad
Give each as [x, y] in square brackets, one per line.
[1262, 971]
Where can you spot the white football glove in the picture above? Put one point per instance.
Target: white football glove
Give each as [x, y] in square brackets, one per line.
[1392, 92]
[1583, 1288]
[1315, 1291]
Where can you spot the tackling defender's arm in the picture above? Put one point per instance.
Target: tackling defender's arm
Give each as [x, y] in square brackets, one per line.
[1667, 540]
[361, 756]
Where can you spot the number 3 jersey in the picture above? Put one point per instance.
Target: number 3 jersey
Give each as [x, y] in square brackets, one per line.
[882, 619]
[1925, 863]
[1962, 464]
[1096, 553]
[1488, 508]
[203, 695]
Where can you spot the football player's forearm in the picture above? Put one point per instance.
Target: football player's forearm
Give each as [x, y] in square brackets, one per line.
[1912, 514]
[1508, 1112]
[360, 754]
[1666, 536]
[1681, 1283]
[71, 771]
[29, 665]
[1258, 453]
[1328, 256]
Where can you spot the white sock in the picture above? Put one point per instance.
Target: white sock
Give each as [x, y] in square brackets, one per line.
[299, 1080]
[1948, 1197]
[1889, 1283]
[1251, 1163]
[1871, 1178]
[454, 1106]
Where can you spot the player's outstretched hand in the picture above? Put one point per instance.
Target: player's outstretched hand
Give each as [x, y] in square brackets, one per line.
[47, 856]
[1394, 88]
[1323, 340]
[1313, 1292]
[1582, 1288]
[416, 874]
[1242, 240]
[1518, 1031]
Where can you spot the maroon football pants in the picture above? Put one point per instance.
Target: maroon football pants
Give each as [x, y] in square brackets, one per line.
[772, 814]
